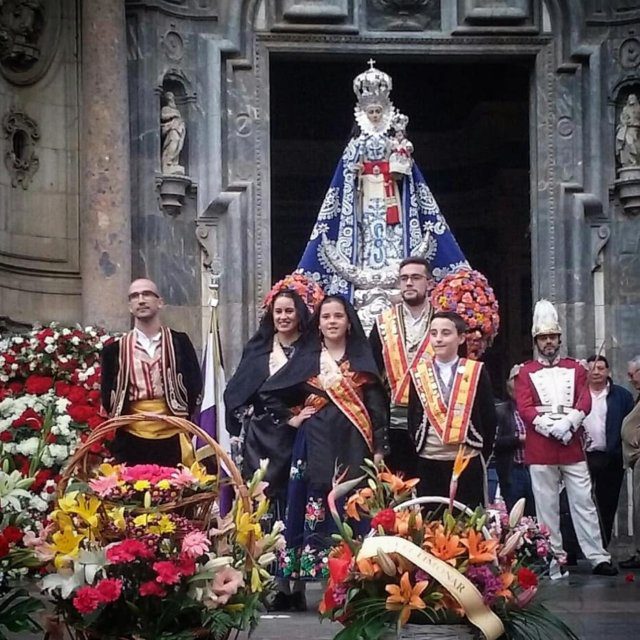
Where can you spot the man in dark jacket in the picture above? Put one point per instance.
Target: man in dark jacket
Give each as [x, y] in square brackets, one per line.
[150, 369]
[610, 403]
[513, 474]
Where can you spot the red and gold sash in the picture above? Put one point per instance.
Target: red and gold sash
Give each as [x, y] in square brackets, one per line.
[450, 422]
[394, 353]
[344, 391]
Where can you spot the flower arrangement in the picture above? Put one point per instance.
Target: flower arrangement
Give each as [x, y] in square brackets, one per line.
[434, 567]
[309, 290]
[49, 401]
[468, 293]
[125, 560]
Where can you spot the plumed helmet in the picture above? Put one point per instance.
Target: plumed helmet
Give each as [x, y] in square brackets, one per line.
[545, 319]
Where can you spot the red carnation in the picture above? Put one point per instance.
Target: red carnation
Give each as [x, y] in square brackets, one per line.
[128, 551]
[386, 518]
[62, 388]
[152, 588]
[15, 387]
[527, 578]
[38, 384]
[94, 396]
[28, 418]
[109, 589]
[77, 395]
[87, 600]
[168, 572]
[81, 413]
[6, 436]
[12, 534]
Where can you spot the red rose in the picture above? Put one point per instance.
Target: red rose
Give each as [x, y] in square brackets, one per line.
[38, 384]
[28, 418]
[386, 518]
[12, 534]
[527, 578]
[81, 413]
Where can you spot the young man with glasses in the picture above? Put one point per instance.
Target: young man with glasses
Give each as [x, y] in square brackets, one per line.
[399, 337]
[151, 369]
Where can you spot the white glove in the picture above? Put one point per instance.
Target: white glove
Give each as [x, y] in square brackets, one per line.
[561, 429]
[543, 424]
[575, 417]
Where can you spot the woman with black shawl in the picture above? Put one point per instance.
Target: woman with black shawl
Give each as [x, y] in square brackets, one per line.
[344, 420]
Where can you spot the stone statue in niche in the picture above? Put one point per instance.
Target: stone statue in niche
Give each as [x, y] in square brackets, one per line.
[173, 132]
[628, 133]
[21, 25]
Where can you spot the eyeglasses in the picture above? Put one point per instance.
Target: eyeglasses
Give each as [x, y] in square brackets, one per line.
[143, 295]
[413, 277]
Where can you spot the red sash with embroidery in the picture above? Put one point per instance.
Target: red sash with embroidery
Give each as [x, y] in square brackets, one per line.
[450, 422]
[394, 353]
[346, 396]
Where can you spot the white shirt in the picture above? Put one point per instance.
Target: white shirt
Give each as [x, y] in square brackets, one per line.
[445, 369]
[148, 344]
[595, 424]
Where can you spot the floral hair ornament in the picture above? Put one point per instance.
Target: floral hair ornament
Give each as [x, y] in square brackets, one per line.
[309, 290]
[468, 293]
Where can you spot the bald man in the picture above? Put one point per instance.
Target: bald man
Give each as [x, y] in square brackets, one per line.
[150, 369]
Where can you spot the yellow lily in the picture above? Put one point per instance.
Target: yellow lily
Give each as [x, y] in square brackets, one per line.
[256, 583]
[67, 542]
[116, 515]
[199, 472]
[246, 528]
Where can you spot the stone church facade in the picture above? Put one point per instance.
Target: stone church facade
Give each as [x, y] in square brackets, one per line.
[86, 203]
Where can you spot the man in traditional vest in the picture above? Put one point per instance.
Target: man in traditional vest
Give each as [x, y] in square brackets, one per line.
[399, 337]
[451, 411]
[553, 399]
[151, 369]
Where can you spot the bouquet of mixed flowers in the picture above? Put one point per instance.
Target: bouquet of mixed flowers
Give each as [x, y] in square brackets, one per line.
[143, 551]
[433, 567]
[468, 293]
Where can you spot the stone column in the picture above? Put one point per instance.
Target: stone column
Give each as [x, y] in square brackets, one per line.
[105, 197]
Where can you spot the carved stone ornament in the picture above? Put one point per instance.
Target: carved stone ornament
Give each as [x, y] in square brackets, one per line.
[22, 133]
[403, 15]
[28, 33]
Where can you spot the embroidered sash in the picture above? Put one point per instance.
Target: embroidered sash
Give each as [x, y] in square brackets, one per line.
[451, 421]
[394, 353]
[342, 389]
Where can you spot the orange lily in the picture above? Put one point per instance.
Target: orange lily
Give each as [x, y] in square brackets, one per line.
[405, 598]
[446, 547]
[480, 550]
[368, 568]
[404, 524]
[507, 580]
[398, 484]
[358, 499]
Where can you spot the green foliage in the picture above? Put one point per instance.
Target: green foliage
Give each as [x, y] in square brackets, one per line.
[17, 609]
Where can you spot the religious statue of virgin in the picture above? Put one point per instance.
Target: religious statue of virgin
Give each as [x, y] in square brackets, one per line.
[378, 209]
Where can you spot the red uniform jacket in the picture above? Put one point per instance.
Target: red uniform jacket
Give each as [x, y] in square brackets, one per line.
[540, 449]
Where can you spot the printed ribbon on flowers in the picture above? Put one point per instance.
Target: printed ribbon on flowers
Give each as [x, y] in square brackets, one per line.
[460, 588]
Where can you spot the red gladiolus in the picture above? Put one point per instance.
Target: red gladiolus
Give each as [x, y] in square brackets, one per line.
[38, 384]
[386, 518]
[339, 566]
[527, 578]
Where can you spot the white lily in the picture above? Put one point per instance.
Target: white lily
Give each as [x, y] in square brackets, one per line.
[516, 513]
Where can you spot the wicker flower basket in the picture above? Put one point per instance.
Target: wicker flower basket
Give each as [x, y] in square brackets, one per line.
[433, 632]
[198, 508]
